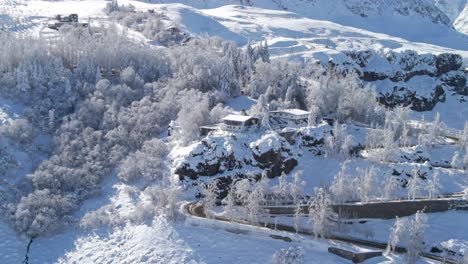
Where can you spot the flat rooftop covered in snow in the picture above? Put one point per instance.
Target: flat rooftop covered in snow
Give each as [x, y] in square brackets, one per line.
[237, 118]
[296, 112]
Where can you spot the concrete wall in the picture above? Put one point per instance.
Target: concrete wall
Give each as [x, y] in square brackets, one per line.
[383, 210]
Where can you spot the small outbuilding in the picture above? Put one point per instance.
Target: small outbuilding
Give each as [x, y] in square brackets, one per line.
[205, 130]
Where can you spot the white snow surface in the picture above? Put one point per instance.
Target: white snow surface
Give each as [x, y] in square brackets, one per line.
[266, 143]
[293, 111]
[237, 118]
[241, 103]
[155, 241]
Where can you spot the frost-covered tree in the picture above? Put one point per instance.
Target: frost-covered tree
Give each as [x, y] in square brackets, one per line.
[457, 161]
[243, 188]
[265, 122]
[341, 92]
[51, 119]
[339, 143]
[210, 196]
[367, 184]
[261, 109]
[230, 203]
[148, 164]
[40, 212]
[217, 113]
[383, 142]
[297, 216]
[165, 196]
[465, 159]
[404, 138]
[434, 186]
[414, 185]
[463, 142]
[19, 130]
[263, 51]
[280, 75]
[434, 130]
[397, 234]
[255, 201]
[410, 231]
[281, 190]
[343, 186]
[437, 126]
[312, 118]
[229, 84]
[389, 146]
[397, 120]
[243, 193]
[263, 187]
[389, 187]
[193, 114]
[291, 97]
[321, 213]
[417, 229]
[374, 139]
[297, 187]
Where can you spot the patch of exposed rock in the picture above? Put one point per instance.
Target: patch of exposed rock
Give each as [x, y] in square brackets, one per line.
[409, 78]
[214, 155]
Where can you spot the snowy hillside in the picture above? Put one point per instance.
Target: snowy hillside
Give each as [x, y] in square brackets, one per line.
[233, 131]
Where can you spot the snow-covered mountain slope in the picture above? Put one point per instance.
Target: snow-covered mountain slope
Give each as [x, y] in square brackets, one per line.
[400, 18]
[315, 29]
[256, 24]
[461, 23]
[452, 8]
[425, 9]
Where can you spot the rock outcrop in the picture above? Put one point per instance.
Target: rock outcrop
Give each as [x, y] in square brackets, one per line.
[408, 78]
[270, 154]
[225, 154]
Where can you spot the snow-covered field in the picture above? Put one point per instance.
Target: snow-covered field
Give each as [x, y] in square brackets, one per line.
[157, 241]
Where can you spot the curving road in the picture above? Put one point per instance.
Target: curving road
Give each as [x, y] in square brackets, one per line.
[196, 209]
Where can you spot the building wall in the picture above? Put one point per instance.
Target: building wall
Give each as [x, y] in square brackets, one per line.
[288, 116]
[240, 128]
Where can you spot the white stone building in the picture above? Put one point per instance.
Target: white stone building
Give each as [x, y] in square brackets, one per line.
[290, 114]
[239, 122]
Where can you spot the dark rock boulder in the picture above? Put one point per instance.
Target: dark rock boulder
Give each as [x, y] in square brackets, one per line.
[369, 76]
[275, 164]
[406, 97]
[447, 62]
[271, 153]
[313, 144]
[456, 81]
[277, 159]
